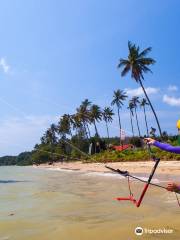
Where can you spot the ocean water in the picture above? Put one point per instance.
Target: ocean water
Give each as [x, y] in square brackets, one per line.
[41, 204]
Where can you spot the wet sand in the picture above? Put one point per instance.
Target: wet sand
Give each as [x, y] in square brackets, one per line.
[165, 167]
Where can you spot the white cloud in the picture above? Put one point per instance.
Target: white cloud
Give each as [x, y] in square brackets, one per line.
[172, 101]
[5, 67]
[139, 91]
[172, 88]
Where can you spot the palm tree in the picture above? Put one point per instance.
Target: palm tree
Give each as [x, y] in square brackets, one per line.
[137, 63]
[95, 116]
[131, 107]
[143, 104]
[49, 136]
[135, 102]
[76, 123]
[83, 116]
[64, 125]
[86, 106]
[118, 98]
[107, 117]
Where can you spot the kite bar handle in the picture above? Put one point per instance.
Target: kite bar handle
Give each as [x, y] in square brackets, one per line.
[142, 195]
[130, 198]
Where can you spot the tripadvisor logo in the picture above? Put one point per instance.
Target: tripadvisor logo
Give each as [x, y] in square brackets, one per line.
[139, 231]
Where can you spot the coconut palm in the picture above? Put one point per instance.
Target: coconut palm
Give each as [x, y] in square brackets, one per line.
[107, 117]
[131, 107]
[118, 98]
[86, 106]
[64, 125]
[50, 135]
[135, 102]
[95, 116]
[143, 104]
[137, 63]
[84, 117]
[76, 123]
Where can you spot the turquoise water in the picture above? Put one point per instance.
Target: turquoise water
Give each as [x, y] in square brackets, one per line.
[45, 204]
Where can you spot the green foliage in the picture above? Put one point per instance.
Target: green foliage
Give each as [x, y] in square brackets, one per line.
[24, 159]
[21, 160]
[132, 155]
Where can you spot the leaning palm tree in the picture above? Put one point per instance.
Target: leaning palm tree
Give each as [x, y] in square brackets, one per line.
[118, 98]
[143, 104]
[131, 107]
[137, 63]
[95, 116]
[107, 117]
[135, 102]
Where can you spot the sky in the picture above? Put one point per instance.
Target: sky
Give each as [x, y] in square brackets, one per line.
[56, 53]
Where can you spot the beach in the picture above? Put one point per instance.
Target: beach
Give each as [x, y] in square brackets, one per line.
[165, 167]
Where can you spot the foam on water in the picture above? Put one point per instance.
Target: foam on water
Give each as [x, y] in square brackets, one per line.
[104, 174]
[60, 169]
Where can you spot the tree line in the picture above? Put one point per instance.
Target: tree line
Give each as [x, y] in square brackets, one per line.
[74, 129]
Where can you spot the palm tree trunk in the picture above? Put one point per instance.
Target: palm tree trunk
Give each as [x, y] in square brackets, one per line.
[84, 125]
[145, 118]
[119, 124]
[88, 130]
[96, 128]
[137, 123]
[157, 121]
[132, 124]
[107, 130]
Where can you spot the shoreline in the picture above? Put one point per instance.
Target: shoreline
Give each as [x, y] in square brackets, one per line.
[165, 167]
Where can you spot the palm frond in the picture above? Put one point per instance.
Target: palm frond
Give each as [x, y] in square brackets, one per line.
[130, 45]
[146, 61]
[126, 70]
[145, 52]
[122, 63]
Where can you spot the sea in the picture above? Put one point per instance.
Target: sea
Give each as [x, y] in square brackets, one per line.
[55, 204]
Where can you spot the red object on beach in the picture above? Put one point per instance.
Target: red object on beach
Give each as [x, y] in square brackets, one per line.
[121, 148]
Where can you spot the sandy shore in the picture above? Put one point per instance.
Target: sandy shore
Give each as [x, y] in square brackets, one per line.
[165, 167]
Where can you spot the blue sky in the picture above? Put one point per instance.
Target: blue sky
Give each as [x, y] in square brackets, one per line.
[54, 54]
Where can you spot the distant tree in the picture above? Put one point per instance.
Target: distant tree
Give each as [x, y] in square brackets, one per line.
[135, 102]
[107, 117]
[95, 116]
[131, 107]
[50, 136]
[118, 99]
[86, 104]
[64, 125]
[143, 104]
